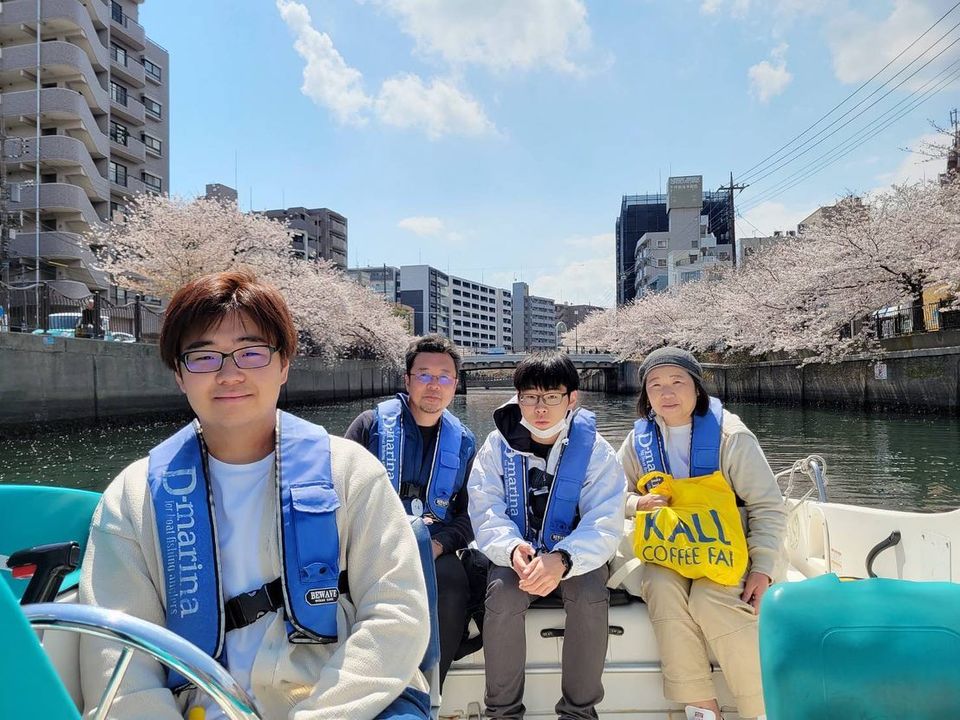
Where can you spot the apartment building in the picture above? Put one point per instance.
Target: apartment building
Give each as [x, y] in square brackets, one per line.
[534, 321]
[316, 232]
[85, 116]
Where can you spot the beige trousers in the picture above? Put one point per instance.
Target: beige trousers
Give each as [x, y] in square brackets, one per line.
[692, 617]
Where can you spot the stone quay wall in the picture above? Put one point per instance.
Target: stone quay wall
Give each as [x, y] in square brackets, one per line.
[46, 379]
[923, 380]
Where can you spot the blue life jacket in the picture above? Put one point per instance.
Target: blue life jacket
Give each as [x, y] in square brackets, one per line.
[396, 440]
[183, 503]
[704, 443]
[564, 498]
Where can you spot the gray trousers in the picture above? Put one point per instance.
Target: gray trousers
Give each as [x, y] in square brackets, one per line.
[586, 601]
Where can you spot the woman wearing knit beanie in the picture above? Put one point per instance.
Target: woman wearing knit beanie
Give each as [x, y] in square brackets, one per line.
[690, 466]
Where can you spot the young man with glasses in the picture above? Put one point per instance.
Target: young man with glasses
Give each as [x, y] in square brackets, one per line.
[239, 532]
[546, 501]
[428, 454]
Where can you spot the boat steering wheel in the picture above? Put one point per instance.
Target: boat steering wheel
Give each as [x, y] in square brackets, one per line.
[136, 635]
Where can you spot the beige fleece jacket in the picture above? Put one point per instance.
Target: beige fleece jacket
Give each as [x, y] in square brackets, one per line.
[746, 469]
[382, 625]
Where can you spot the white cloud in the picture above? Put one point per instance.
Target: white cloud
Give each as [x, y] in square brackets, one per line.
[585, 272]
[327, 79]
[860, 44]
[429, 227]
[423, 226]
[769, 79]
[499, 34]
[439, 108]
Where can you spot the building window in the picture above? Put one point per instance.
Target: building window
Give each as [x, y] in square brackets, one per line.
[116, 12]
[152, 106]
[152, 70]
[152, 143]
[153, 182]
[661, 263]
[661, 243]
[118, 93]
[118, 54]
[118, 173]
[118, 132]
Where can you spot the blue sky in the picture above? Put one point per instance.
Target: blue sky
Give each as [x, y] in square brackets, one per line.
[495, 139]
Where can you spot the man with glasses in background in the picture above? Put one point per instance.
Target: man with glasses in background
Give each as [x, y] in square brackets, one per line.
[239, 532]
[546, 502]
[428, 454]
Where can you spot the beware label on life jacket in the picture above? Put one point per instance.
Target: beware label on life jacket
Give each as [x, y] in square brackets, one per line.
[699, 534]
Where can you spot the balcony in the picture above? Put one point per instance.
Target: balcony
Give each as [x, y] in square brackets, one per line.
[127, 185]
[61, 61]
[126, 69]
[68, 107]
[127, 147]
[60, 198]
[126, 28]
[60, 246]
[69, 157]
[126, 108]
[60, 17]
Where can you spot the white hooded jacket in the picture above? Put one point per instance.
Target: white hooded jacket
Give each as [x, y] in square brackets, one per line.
[592, 542]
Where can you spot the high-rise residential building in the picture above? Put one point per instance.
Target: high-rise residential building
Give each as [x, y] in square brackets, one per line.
[642, 214]
[471, 314]
[384, 280]
[85, 127]
[534, 320]
[316, 232]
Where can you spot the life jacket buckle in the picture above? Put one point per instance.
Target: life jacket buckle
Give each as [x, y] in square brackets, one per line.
[246, 608]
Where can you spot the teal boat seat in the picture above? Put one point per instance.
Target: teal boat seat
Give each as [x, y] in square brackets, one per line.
[878, 648]
[29, 685]
[37, 515]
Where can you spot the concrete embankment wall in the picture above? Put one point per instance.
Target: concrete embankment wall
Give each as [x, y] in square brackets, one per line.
[920, 380]
[50, 379]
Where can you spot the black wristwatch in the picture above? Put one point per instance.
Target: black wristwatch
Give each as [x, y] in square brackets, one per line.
[565, 559]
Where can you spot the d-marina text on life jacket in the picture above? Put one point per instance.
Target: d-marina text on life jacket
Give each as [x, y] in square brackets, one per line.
[310, 545]
[397, 442]
[564, 497]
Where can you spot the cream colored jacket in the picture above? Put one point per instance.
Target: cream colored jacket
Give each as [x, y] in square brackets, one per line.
[746, 469]
[383, 623]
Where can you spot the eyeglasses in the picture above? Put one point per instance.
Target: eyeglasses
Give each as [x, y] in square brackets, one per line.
[245, 358]
[549, 399]
[427, 379]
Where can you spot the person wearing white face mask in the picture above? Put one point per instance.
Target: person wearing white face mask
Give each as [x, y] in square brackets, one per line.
[546, 499]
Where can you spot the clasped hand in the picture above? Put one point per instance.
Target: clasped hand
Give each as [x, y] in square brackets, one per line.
[539, 574]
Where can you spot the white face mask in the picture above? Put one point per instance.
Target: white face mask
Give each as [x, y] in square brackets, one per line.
[546, 433]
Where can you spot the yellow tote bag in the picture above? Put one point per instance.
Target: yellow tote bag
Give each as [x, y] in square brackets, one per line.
[699, 534]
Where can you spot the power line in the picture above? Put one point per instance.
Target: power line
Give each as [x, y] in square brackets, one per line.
[851, 95]
[853, 119]
[830, 157]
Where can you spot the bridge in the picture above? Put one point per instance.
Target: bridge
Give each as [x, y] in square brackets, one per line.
[508, 361]
[598, 372]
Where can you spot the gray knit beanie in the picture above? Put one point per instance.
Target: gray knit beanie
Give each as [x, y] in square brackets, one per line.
[671, 356]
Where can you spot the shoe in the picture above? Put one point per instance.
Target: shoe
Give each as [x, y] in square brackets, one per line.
[696, 713]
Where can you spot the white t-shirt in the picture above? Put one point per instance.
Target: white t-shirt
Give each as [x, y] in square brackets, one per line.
[677, 442]
[243, 521]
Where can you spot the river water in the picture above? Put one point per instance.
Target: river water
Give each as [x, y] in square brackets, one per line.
[877, 460]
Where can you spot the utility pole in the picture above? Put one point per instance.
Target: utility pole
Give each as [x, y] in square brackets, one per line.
[733, 214]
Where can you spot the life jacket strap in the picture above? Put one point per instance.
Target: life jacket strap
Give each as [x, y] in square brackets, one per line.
[246, 608]
[409, 490]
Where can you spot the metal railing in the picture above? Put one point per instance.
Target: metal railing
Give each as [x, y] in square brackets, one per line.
[931, 317]
[33, 308]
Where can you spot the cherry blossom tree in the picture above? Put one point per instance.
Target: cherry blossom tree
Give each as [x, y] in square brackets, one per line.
[158, 243]
[812, 297]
